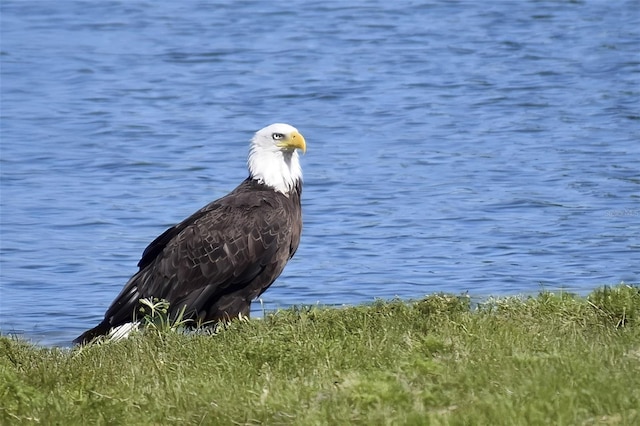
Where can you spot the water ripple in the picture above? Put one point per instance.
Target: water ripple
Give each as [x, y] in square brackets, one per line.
[452, 146]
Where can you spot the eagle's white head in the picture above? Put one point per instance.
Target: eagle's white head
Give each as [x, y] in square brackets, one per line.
[273, 159]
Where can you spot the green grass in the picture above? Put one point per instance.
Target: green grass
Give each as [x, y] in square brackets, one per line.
[550, 359]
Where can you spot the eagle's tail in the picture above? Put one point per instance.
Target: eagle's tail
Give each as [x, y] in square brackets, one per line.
[99, 330]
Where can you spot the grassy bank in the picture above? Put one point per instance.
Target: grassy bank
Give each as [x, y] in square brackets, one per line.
[550, 359]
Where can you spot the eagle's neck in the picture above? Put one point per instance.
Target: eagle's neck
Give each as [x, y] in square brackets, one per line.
[279, 169]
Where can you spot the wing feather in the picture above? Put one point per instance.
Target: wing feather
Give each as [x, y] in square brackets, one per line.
[236, 246]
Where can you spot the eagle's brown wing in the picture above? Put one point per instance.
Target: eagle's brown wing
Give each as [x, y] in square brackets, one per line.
[217, 260]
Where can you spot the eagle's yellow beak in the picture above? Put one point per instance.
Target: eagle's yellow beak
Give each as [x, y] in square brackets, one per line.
[294, 141]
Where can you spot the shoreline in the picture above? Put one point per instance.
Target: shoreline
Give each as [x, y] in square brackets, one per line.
[552, 358]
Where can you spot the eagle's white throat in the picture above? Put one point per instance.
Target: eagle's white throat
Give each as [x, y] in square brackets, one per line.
[273, 159]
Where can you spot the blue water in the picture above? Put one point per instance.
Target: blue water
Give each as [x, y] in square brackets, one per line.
[482, 147]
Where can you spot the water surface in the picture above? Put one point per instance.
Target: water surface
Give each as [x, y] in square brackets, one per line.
[489, 148]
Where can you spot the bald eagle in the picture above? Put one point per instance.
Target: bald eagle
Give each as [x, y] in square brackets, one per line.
[214, 263]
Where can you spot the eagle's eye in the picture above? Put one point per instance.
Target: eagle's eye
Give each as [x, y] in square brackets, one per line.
[277, 136]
